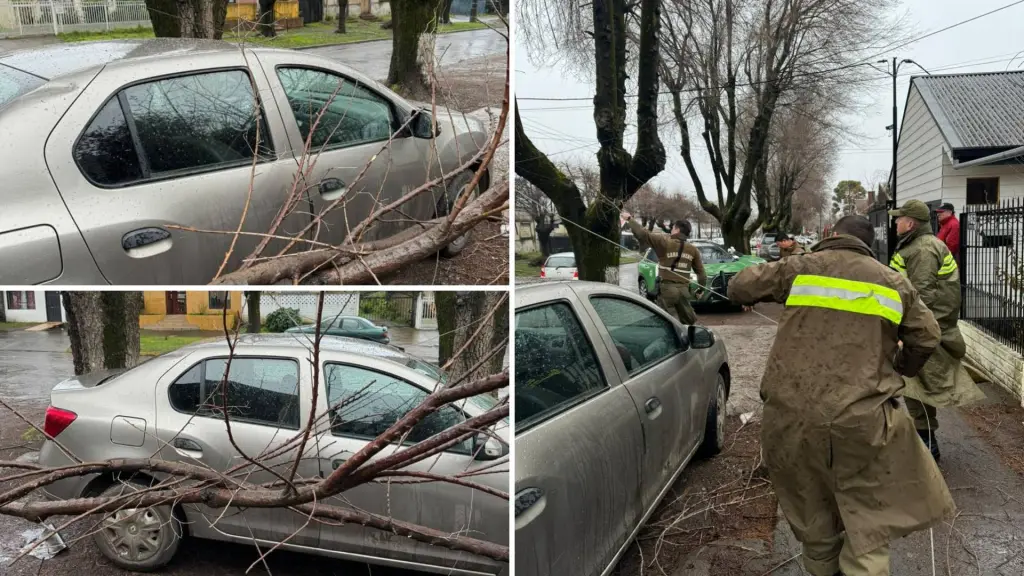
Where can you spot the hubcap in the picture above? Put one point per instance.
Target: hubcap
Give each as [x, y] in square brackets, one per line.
[643, 287]
[134, 534]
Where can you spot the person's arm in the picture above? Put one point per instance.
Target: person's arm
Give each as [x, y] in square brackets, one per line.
[919, 333]
[953, 239]
[698, 267]
[652, 239]
[761, 283]
[923, 273]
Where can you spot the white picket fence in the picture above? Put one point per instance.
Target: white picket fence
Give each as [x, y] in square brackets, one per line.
[335, 303]
[44, 17]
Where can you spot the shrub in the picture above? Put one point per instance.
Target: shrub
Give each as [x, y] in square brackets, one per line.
[282, 319]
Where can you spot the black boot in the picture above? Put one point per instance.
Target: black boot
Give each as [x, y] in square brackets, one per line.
[931, 442]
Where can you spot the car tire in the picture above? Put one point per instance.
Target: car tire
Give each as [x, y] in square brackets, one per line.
[447, 202]
[714, 427]
[140, 540]
[642, 288]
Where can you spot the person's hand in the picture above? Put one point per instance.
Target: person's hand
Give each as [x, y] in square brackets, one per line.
[624, 217]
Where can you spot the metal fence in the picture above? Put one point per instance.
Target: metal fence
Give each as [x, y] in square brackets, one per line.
[879, 217]
[992, 270]
[44, 17]
[390, 307]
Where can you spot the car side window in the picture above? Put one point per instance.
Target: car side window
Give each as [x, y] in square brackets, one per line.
[172, 126]
[365, 403]
[651, 255]
[349, 324]
[556, 367]
[642, 336]
[352, 114]
[260, 391]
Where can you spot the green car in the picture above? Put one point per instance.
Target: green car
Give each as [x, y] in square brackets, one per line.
[351, 326]
[719, 264]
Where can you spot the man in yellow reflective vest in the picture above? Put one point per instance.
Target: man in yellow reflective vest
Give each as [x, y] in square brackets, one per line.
[926, 261]
[847, 467]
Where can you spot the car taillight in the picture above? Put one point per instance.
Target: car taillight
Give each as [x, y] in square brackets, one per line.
[57, 421]
[575, 275]
[543, 273]
[385, 329]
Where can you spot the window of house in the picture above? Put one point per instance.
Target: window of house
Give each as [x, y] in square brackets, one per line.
[182, 124]
[365, 403]
[21, 300]
[260, 391]
[556, 367]
[352, 114]
[982, 190]
[218, 300]
[642, 336]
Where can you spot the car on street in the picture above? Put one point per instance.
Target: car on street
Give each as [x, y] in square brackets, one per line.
[767, 249]
[349, 326]
[613, 397]
[134, 161]
[170, 406]
[561, 266]
[720, 265]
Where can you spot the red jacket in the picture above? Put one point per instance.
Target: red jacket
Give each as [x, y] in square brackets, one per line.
[949, 232]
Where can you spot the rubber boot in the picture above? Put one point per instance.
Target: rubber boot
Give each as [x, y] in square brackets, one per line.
[931, 442]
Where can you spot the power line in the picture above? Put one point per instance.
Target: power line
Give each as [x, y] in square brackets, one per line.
[864, 62]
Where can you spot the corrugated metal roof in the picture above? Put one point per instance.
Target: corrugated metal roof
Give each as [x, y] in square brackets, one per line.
[984, 110]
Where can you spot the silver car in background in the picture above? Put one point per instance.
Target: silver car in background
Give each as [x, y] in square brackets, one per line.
[613, 397]
[155, 408]
[561, 266]
[122, 159]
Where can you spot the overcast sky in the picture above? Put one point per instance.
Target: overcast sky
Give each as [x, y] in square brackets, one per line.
[565, 130]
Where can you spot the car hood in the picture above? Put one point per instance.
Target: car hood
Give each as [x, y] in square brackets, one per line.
[734, 266]
[448, 117]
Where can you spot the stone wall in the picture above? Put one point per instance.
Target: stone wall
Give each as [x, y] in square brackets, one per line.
[1004, 365]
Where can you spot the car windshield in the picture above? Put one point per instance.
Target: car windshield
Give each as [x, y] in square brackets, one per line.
[561, 262]
[768, 239]
[14, 83]
[713, 254]
[428, 369]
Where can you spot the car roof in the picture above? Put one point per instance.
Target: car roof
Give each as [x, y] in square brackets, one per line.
[298, 341]
[554, 286]
[563, 254]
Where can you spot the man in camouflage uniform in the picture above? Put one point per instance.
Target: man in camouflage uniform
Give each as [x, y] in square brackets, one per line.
[677, 258]
[926, 261]
[788, 246]
[849, 471]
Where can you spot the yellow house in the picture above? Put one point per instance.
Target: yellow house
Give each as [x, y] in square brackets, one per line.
[190, 310]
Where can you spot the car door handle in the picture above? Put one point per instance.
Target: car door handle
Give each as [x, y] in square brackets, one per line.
[336, 463]
[332, 188]
[187, 447]
[146, 242]
[652, 406]
[530, 502]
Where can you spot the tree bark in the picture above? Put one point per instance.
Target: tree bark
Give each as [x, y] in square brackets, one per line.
[459, 316]
[252, 305]
[85, 330]
[121, 328]
[266, 19]
[188, 18]
[342, 16]
[409, 19]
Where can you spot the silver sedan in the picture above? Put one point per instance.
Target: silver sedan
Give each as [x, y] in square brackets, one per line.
[158, 408]
[613, 397]
[123, 160]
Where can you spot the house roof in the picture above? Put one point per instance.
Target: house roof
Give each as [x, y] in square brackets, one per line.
[980, 110]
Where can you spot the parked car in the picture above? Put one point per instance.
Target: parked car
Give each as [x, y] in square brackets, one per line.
[350, 326]
[720, 265]
[112, 150]
[561, 266]
[767, 249]
[158, 408]
[613, 397]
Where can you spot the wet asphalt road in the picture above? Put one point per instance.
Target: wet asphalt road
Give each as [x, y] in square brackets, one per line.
[31, 363]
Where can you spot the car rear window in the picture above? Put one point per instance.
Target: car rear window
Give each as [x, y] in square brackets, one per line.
[14, 83]
[561, 262]
[768, 238]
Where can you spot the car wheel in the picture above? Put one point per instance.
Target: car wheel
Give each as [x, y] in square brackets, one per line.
[447, 202]
[642, 287]
[138, 539]
[714, 427]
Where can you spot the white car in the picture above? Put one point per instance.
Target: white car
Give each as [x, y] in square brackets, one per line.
[561, 266]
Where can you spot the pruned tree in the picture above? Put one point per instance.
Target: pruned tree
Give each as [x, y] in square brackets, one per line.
[474, 332]
[598, 34]
[416, 430]
[731, 64]
[103, 328]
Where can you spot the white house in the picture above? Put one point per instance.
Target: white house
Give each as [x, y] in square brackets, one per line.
[962, 139]
[33, 306]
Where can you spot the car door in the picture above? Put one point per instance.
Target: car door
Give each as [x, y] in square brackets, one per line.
[662, 378]
[364, 399]
[351, 167]
[579, 443]
[157, 168]
[269, 400]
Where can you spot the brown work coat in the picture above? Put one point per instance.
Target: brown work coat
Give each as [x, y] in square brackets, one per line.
[672, 250]
[794, 250]
[840, 451]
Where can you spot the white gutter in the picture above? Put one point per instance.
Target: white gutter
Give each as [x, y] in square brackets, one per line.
[1019, 151]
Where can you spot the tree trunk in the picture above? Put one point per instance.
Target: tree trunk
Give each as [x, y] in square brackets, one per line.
[188, 18]
[472, 10]
[458, 318]
[342, 16]
[252, 304]
[446, 11]
[121, 328]
[164, 16]
[85, 330]
[266, 19]
[409, 18]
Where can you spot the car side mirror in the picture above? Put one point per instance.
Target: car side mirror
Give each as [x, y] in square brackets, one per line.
[700, 337]
[487, 447]
[422, 125]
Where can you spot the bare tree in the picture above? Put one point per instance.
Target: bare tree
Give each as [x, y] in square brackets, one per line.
[159, 484]
[604, 27]
[724, 59]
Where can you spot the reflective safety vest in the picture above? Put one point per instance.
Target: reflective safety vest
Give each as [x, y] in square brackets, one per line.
[846, 296]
